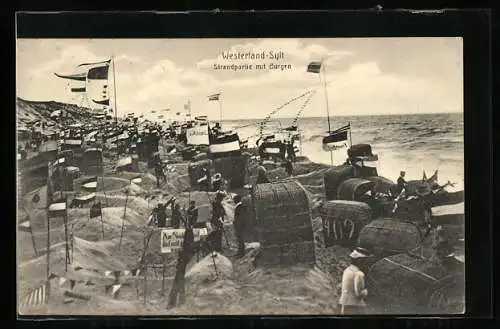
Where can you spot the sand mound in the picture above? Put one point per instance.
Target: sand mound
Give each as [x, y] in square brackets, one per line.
[205, 270]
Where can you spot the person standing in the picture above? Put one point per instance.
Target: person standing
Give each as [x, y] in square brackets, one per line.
[239, 224]
[218, 214]
[176, 216]
[192, 214]
[161, 215]
[401, 182]
[354, 292]
[288, 167]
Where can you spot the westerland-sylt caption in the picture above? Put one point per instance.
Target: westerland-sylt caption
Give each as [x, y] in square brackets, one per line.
[249, 55]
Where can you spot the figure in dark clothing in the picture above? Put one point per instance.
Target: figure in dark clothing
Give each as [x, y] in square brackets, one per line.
[176, 216]
[239, 224]
[192, 214]
[262, 175]
[401, 182]
[217, 182]
[288, 167]
[161, 215]
[177, 294]
[290, 150]
[159, 172]
[204, 180]
[218, 214]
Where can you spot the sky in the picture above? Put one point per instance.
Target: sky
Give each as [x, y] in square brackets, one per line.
[363, 76]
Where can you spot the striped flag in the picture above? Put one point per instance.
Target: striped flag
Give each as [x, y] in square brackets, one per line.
[214, 97]
[98, 73]
[336, 139]
[314, 67]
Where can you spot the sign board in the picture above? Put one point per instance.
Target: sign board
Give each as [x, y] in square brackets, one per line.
[197, 135]
[172, 239]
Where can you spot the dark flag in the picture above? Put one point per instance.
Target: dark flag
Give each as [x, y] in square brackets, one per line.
[78, 90]
[314, 67]
[98, 73]
[214, 97]
[103, 62]
[95, 210]
[103, 102]
[78, 76]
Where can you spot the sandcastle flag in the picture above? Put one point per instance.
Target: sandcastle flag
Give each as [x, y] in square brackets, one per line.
[314, 67]
[214, 97]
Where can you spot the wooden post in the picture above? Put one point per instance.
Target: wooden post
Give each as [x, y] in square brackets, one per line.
[123, 219]
[66, 238]
[72, 242]
[102, 224]
[163, 277]
[145, 282]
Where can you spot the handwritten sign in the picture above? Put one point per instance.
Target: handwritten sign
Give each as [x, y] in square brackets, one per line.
[172, 239]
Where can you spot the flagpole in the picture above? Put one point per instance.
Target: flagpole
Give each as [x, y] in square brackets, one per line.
[350, 137]
[114, 87]
[326, 93]
[220, 108]
[326, 99]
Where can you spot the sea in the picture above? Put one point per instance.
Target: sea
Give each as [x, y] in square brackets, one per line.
[413, 143]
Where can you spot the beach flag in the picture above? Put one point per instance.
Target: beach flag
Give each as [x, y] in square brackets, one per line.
[96, 63]
[90, 183]
[314, 67]
[214, 97]
[187, 106]
[98, 73]
[336, 139]
[103, 102]
[96, 210]
[78, 89]
[77, 77]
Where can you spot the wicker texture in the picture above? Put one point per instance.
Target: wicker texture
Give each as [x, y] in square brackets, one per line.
[407, 284]
[334, 177]
[92, 162]
[283, 224]
[343, 220]
[353, 189]
[386, 237]
[234, 169]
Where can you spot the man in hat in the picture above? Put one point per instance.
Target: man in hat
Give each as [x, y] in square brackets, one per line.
[354, 292]
[401, 182]
[161, 215]
[192, 214]
[176, 216]
[218, 214]
[239, 224]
